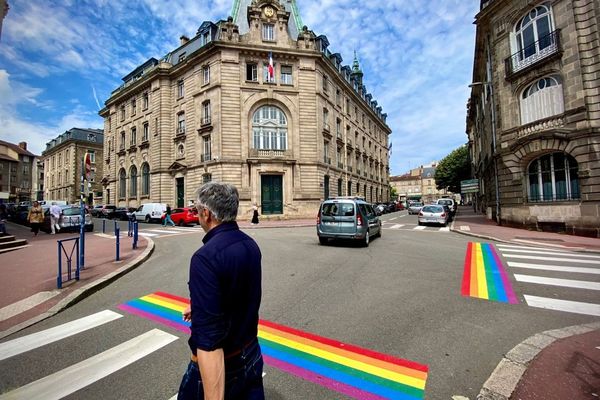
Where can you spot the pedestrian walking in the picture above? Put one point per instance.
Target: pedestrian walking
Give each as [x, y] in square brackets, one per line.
[225, 293]
[35, 217]
[3, 219]
[168, 219]
[55, 212]
[254, 214]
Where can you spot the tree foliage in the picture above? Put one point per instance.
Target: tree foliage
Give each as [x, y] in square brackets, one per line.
[455, 167]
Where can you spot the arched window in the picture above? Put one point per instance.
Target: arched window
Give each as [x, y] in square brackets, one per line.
[553, 177]
[122, 183]
[133, 181]
[533, 33]
[542, 99]
[145, 179]
[269, 128]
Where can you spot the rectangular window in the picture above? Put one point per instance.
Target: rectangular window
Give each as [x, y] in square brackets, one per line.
[206, 148]
[206, 178]
[325, 84]
[286, 75]
[92, 156]
[338, 97]
[122, 144]
[206, 113]
[326, 158]
[133, 137]
[338, 127]
[133, 106]
[268, 32]
[122, 112]
[145, 101]
[205, 38]
[180, 89]
[181, 57]
[205, 75]
[146, 132]
[180, 123]
[251, 72]
[266, 76]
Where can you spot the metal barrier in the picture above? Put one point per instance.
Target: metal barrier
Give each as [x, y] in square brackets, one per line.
[103, 225]
[69, 256]
[117, 237]
[135, 234]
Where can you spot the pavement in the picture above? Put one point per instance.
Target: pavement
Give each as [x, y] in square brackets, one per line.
[557, 364]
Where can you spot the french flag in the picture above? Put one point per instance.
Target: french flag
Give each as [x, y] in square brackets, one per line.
[271, 68]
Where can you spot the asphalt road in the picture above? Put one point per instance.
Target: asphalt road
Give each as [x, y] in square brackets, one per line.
[400, 296]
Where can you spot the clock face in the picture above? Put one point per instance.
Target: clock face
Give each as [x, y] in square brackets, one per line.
[269, 11]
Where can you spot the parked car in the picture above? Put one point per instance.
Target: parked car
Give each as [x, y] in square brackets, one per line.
[435, 214]
[150, 212]
[183, 216]
[19, 215]
[107, 211]
[347, 218]
[415, 207]
[123, 213]
[96, 211]
[448, 202]
[69, 221]
[399, 206]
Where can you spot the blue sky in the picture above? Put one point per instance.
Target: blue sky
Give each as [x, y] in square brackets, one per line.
[60, 59]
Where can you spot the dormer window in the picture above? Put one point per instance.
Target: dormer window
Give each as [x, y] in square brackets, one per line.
[268, 32]
[182, 57]
[205, 38]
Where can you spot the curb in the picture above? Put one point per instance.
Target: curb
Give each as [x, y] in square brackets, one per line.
[81, 293]
[507, 374]
[278, 226]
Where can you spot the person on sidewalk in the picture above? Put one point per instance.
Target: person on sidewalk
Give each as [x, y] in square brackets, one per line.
[55, 211]
[225, 293]
[3, 219]
[254, 214]
[168, 219]
[35, 217]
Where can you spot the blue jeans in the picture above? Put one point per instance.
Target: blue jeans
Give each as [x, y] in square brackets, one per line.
[168, 220]
[243, 378]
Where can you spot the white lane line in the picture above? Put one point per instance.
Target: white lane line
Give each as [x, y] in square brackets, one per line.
[551, 253]
[445, 229]
[522, 247]
[465, 228]
[563, 305]
[419, 228]
[162, 231]
[39, 339]
[26, 304]
[546, 244]
[559, 268]
[566, 260]
[80, 375]
[147, 234]
[558, 282]
[391, 219]
[396, 226]
[184, 229]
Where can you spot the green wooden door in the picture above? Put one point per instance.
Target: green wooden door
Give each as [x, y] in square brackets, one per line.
[272, 194]
[180, 192]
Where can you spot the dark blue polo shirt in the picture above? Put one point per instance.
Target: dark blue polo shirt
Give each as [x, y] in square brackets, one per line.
[225, 290]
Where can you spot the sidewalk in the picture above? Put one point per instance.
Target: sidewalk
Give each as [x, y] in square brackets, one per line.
[558, 364]
[28, 276]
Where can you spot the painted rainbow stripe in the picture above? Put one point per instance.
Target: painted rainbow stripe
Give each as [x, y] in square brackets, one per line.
[484, 276]
[343, 368]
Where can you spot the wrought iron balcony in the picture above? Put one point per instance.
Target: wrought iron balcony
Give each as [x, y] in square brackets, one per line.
[206, 120]
[545, 48]
[264, 153]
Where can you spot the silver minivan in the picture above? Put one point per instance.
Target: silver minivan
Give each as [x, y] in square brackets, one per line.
[347, 218]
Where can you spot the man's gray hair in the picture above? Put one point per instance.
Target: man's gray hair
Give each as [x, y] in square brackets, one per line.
[221, 199]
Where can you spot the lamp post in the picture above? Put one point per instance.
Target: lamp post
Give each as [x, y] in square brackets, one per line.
[494, 154]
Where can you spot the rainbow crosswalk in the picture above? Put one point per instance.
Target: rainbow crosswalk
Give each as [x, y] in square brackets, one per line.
[344, 368]
[484, 275]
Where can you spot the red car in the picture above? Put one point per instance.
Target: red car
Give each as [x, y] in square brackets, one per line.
[183, 216]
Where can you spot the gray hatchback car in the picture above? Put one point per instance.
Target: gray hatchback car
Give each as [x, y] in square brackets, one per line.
[347, 218]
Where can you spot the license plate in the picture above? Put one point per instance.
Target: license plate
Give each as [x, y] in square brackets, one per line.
[330, 223]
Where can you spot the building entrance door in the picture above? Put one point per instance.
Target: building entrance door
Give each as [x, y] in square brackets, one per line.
[272, 194]
[180, 192]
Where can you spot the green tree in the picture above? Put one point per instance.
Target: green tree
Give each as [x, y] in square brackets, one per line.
[455, 167]
[393, 193]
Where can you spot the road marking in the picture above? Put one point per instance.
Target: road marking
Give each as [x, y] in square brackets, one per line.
[26, 304]
[445, 229]
[80, 375]
[419, 228]
[148, 234]
[161, 231]
[396, 226]
[560, 268]
[184, 229]
[391, 219]
[553, 253]
[465, 228]
[546, 244]
[563, 305]
[42, 338]
[522, 247]
[558, 282]
[567, 260]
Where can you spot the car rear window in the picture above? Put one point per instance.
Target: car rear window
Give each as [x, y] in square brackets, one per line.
[446, 202]
[416, 205]
[71, 211]
[338, 209]
[433, 209]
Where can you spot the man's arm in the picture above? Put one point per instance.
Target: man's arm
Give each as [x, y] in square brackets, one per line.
[212, 371]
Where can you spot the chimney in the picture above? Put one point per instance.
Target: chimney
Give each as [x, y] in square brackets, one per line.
[183, 40]
[23, 145]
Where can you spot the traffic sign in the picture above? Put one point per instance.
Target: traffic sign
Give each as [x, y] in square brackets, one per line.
[469, 186]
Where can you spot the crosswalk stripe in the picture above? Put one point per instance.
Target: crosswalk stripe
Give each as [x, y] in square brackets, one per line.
[419, 228]
[162, 231]
[184, 229]
[465, 228]
[521, 247]
[445, 229]
[147, 234]
[39, 339]
[82, 374]
[563, 305]
[567, 260]
[28, 303]
[396, 226]
[553, 253]
[391, 219]
[559, 268]
[558, 282]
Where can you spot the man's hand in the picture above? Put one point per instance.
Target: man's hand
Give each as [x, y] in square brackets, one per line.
[187, 314]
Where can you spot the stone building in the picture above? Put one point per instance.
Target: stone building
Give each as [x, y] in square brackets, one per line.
[259, 101]
[3, 12]
[534, 114]
[63, 159]
[17, 172]
[418, 184]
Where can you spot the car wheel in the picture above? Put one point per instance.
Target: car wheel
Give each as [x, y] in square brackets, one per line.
[180, 222]
[147, 219]
[419, 223]
[323, 240]
[366, 240]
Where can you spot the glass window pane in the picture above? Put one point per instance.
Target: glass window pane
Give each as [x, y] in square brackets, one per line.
[529, 41]
[547, 186]
[560, 182]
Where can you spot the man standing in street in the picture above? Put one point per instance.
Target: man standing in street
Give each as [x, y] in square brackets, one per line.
[225, 293]
[168, 219]
[54, 217]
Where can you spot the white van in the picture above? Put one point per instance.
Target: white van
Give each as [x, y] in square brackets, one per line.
[150, 212]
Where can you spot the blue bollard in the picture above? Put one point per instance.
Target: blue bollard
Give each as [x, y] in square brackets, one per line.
[59, 277]
[117, 234]
[135, 234]
[103, 226]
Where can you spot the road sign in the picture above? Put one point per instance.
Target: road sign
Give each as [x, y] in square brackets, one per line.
[469, 186]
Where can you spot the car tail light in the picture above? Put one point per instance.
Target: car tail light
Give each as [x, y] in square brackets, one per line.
[420, 213]
[443, 215]
[318, 218]
[359, 220]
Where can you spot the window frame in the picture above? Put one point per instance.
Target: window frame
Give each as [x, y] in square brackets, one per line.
[268, 32]
[547, 175]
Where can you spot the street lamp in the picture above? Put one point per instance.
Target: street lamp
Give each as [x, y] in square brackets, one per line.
[491, 88]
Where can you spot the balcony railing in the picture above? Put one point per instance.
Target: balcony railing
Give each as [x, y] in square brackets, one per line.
[205, 121]
[259, 153]
[545, 47]
[325, 126]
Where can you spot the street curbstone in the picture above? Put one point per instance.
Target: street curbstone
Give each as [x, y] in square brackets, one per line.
[523, 353]
[505, 377]
[569, 331]
[540, 340]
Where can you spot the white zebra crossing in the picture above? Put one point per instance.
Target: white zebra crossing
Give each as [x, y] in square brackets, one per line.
[558, 262]
[416, 228]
